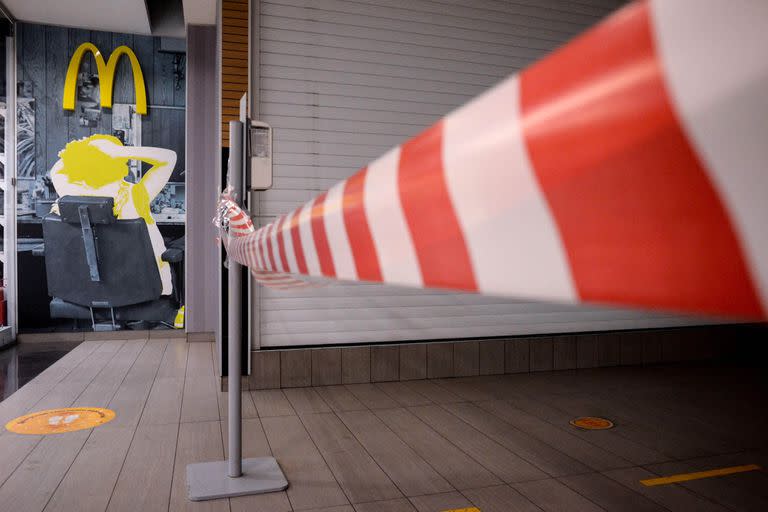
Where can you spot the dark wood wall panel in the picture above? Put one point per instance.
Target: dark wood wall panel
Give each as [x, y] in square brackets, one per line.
[57, 123]
[44, 54]
[33, 67]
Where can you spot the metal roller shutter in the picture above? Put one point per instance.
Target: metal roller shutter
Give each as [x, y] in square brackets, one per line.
[341, 81]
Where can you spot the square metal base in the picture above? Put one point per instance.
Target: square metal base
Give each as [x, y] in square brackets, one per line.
[209, 480]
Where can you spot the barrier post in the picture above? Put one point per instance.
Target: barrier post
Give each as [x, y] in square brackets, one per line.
[235, 476]
[234, 314]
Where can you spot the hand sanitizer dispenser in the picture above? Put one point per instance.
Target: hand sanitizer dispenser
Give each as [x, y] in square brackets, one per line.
[259, 155]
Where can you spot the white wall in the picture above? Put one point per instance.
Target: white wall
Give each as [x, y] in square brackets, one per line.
[341, 81]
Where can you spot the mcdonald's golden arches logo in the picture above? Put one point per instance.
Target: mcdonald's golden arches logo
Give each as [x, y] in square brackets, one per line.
[106, 72]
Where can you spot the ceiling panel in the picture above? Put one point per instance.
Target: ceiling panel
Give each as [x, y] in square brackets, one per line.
[110, 15]
[200, 12]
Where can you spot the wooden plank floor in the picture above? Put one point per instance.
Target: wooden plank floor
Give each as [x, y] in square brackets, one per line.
[499, 443]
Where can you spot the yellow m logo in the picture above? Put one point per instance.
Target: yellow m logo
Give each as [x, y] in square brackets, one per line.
[106, 72]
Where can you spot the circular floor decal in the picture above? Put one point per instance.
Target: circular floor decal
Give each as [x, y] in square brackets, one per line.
[56, 421]
[592, 423]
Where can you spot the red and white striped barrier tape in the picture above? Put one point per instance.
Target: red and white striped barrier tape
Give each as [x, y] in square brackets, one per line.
[629, 167]
[235, 226]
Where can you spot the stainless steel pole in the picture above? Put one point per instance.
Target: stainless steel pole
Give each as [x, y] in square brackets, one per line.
[234, 314]
[235, 476]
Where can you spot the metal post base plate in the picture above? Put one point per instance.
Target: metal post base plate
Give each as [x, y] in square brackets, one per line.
[209, 480]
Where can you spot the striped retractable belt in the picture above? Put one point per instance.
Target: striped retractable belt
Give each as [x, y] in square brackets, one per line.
[629, 167]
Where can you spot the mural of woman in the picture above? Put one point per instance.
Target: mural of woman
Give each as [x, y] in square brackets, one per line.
[97, 166]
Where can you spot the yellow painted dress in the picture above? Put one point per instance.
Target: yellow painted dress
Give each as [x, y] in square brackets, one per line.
[97, 166]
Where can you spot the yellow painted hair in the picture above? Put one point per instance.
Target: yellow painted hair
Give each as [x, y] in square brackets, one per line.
[87, 165]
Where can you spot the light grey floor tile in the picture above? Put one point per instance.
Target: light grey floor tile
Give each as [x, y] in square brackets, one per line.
[497, 459]
[371, 396]
[500, 498]
[458, 468]
[671, 497]
[357, 473]
[553, 496]
[272, 402]
[609, 494]
[440, 502]
[312, 485]
[339, 398]
[400, 505]
[306, 400]
[433, 392]
[412, 475]
[401, 393]
[538, 453]
[588, 453]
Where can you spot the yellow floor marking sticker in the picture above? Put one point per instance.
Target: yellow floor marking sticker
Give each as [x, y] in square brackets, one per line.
[684, 477]
[56, 421]
[592, 423]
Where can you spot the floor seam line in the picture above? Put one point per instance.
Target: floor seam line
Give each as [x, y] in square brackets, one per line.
[178, 430]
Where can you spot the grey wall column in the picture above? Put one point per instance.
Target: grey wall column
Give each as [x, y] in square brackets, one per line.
[202, 155]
